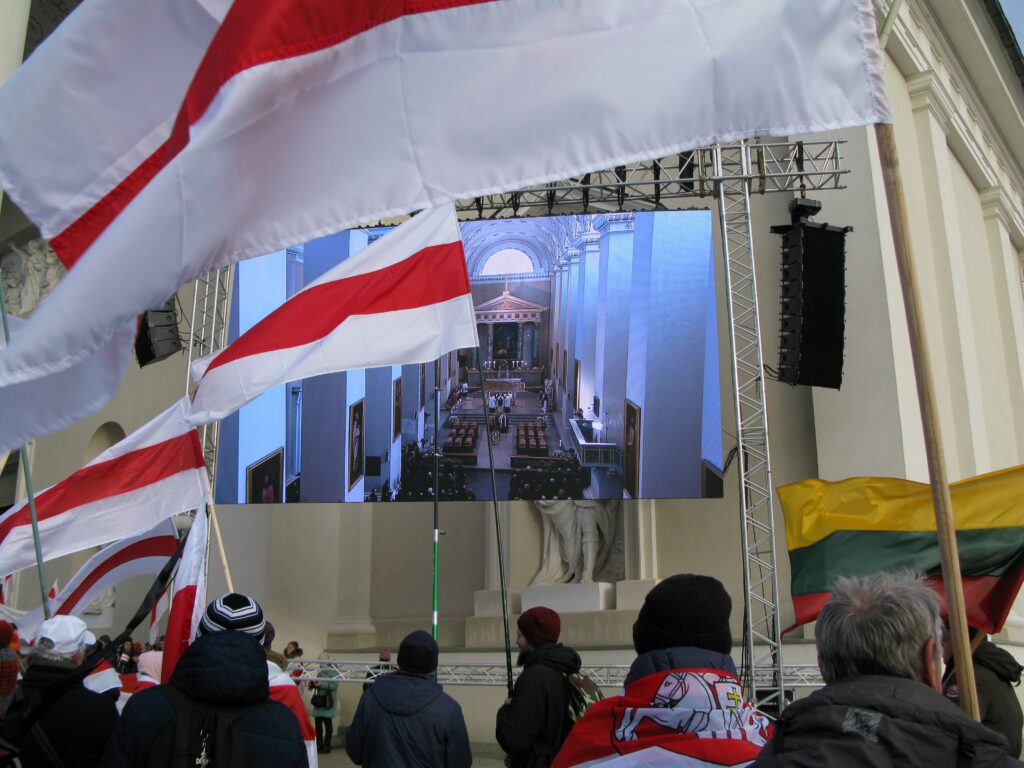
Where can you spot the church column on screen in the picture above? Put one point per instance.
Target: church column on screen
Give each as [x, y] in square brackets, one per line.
[334, 406]
[672, 367]
[385, 392]
[415, 399]
[586, 323]
[613, 308]
[572, 307]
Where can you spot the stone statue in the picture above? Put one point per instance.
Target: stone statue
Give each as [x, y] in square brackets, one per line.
[579, 541]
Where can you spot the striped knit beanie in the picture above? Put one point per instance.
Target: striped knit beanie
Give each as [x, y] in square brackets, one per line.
[233, 611]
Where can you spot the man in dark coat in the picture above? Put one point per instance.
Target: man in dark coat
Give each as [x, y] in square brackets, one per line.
[995, 673]
[533, 723]
[405, 719]
[75, 722]
[879, 649]
[222, 669]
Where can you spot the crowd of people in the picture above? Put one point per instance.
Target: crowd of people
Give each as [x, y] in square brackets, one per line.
[888, 698]
[418, 478]
[549, 479]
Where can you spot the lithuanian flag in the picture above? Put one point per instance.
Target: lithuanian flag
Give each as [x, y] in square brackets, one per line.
[869, 524]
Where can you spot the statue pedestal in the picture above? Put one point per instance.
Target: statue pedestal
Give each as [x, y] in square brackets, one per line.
[571, 598]
[630, 594]
[487, 602]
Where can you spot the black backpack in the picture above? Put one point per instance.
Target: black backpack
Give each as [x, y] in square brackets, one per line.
[201, 735]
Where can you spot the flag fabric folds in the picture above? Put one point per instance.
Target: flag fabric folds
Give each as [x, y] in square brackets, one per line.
[153, 473]
[864, 525]
[273, 145]
[404, 299]
[140, 555]
[46, 404]
[189, 598]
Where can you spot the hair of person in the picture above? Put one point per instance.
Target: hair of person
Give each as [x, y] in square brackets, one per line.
[877, 625]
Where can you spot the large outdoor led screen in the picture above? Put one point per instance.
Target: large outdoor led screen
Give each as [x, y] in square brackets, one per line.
[596, 376]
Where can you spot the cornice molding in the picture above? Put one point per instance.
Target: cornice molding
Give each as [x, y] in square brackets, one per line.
[996, 204]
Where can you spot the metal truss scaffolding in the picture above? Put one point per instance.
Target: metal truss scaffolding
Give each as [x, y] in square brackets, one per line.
[731, 174]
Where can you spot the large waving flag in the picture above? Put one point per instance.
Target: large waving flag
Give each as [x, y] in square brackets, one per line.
[404, 299]
[155, 472]
[864, 525]
[273, 143]
[145, 554]
[46, 404]
[189, 598]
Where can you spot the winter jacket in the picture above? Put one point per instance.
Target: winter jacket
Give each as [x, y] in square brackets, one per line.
[77, 724]
[881, 721]
[681, 706]
[995, 672]
[226, 669]
[328, 681]
[532, 726]
[407, 721]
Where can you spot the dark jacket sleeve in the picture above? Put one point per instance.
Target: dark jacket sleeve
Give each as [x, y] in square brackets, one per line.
[146, 715]
[520, 721]
[354, 733]
[456, 750]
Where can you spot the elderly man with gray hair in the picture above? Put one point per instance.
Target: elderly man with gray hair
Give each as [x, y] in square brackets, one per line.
[879, 644]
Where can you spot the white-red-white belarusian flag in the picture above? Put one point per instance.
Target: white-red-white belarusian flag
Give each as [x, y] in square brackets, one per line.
[189, 599]
[284, 690]
[144, 554]
[404, 299]
[153, 473]
[273, 143]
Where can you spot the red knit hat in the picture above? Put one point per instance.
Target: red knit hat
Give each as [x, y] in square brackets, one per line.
[540, 626]
[6, 633]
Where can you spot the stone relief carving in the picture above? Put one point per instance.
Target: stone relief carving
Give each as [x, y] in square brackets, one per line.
[581, 542]
[29, 274]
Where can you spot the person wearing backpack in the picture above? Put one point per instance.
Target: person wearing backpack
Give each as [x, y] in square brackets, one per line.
[216, 710]
[533, 723]
[325, 704]
[683, 703]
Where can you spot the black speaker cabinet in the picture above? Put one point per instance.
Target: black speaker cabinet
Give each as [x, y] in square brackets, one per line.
[158, 336]
[813, 298]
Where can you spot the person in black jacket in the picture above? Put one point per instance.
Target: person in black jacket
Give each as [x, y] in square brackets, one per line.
[227, 670]
[74, 722]
[533, 723]
[879, 649]
[995, 673]
[405, 719]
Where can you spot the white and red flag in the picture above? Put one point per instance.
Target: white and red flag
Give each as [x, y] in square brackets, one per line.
[189, 599]
[271, 142]
[144, 554]
[404, 299]
[153, 473]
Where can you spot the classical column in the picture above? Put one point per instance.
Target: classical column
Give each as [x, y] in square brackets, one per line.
[536, 344]
[519, 341]
[352, 626]
[489, 352]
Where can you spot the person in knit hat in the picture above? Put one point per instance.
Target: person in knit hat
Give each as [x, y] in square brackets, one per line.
[405, 719]
[531, 724]
[9, 667]
[682, 694]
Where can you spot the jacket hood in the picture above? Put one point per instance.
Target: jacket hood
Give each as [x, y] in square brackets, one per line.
[679, 658]
[227, 668]
[999, 661]
[915, 711]
[558, 657]
[404, 693]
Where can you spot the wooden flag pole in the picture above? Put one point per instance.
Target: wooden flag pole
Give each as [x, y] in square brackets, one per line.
[215, 526]
[945, 525]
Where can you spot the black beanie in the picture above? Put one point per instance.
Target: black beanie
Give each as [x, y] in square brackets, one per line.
[418, 653]
[685, 610]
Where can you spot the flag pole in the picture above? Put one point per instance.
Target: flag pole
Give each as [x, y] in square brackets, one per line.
[220, 545]
[29, 489]
[945, 524]
[437, 486]
[497, 525]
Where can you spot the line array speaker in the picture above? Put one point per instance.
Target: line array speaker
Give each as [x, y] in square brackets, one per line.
[158, 336]
[813, 296]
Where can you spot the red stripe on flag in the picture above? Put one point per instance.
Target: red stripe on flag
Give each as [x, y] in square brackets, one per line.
[162, 546]
[430, 276]
[122, 474]
[987, 599]
[254, 32]
[179, 628]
